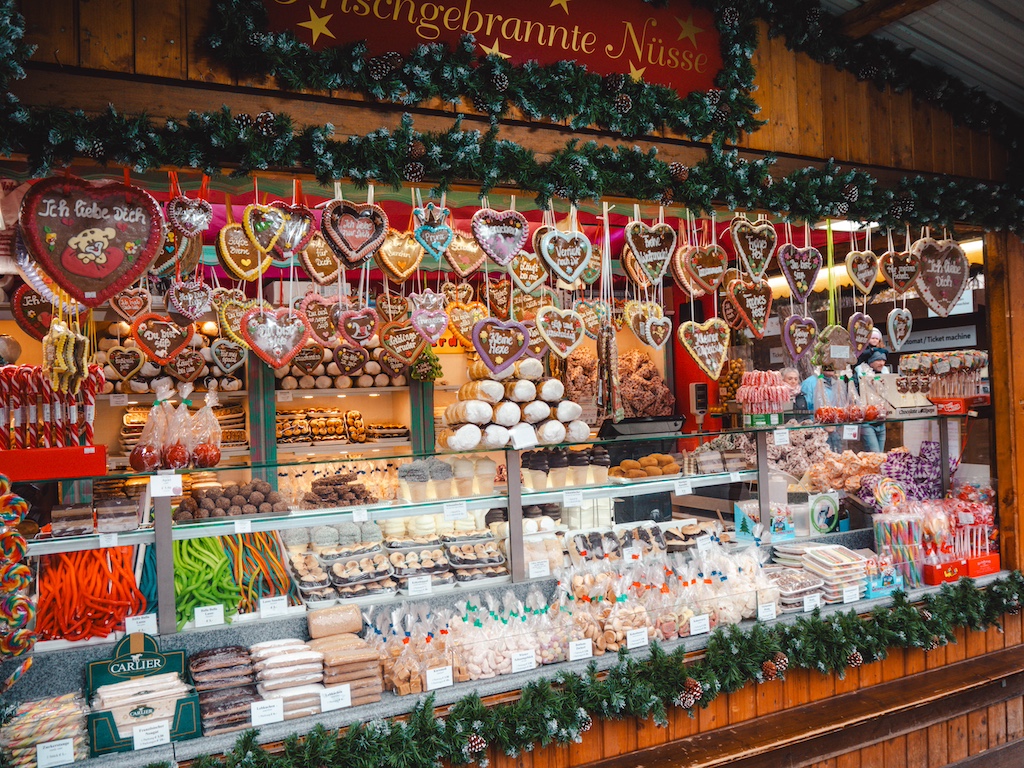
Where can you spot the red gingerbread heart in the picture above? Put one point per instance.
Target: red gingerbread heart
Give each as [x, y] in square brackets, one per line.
[160, 337]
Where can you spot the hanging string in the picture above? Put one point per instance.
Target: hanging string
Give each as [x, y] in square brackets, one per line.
[831, 314]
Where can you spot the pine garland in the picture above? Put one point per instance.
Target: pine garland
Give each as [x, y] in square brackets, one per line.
[559, 711]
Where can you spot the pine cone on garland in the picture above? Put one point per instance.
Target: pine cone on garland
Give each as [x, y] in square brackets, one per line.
[685, 701]
[767, 181]
[480, 104]
[868, 72]
[243, 122]
[841, 209]
[730, 16]
[586, 723]
[475, 743]
[781, 661]
[854, 660]
[926, 615]
[499, 80]
[693, 687]
[713, 97]
[417, 150]
[933, 643]
[560, 190]
[678, 171]
[622, 103]
[769, 671]
[264, 123]
[615, 82]
[667, 196]
[1014, 608]
[95, 149]
[814, 16]
[381, 66]
[414, 172]
[851, 193]
[577, 165]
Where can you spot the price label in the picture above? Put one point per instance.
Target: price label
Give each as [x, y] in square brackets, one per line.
[636, 638]
[151, 735]
[455, 510]
[54, 753]
[632, 553]
[524, 661]
[418, 585]
[273, 606]
[165, 486]
[108, 540]
[700, 625]
[336, 698]
[840, 352]
[243, 526]
[146, 624]
[734, 477]
[811, 602]
[267, 712]
[766, 612]
[360, 515]
[439, 677]
[851, 432]
[781, 437]
[684, 488]
[523, 439]
[119, 399]
[851, 594]
[209, 615]
[580, 649]
[538, 569]
[284, 396]
[703, 543]
[572, 498]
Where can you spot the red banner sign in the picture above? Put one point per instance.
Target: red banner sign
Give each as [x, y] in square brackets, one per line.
[676, 46]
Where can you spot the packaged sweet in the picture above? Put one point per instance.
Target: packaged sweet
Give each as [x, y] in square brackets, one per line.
[206, 433]
[146, 456]
[176, 452]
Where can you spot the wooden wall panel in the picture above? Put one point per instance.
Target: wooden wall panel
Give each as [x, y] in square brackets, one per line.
[900, 108]
[160, 39]
[835, 120]
[199, 66]
[52, 27]
[106, 35]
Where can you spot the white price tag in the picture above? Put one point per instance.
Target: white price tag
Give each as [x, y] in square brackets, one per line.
[684, 488]
[632, 553]
[284, 396]
[164, 486]
[243, 526]
[811, 602]
[636, 638]
[840, 352]
[146, 624]
[572, 498]
[151, 735]
[538, 569]
[734, 477]
[455, 510]
[418, 585]
[119, 399]
[439, 677]
[54, 753]
[267, 712]
[965, 518]
[108, 540]
[851, 594]
[851, 432]
[703, 543]
[700, 625]
[273, 606]
[209, 615]
[524, 661]
[580, 649]
[524, 439]
[360, 515]
[766, 612]
[781, 437]
[336, 698]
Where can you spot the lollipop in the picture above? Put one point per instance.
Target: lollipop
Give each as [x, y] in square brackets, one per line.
[13, 546]
[17, 610]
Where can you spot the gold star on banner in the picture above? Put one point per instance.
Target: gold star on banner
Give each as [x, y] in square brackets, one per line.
[317, 25]
[493, 50]
[689, 30]
[564, 4]
[636, 72]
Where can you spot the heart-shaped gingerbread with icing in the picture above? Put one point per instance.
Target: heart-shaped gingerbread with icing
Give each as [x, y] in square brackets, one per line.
[357, 326]
[900, 269]
[526, 305]
[432, 232]
[527, 271]
[464, 254]
[499, 297]
[399, 255]
[860, 327]
[275, 336]
[239, 254]
[126, 362]
[190, 298]
[944, 273]
[318, 312]
[705, 266]
[594, 315]
[707, 343]
[350, 360]
[228, 355]
[658, 330]
[31, 312]
[189, 217]
[430, 323]
[562, 329]
[536, 347]
[567, 254]
[131, 302]
[297, 229]
[754, 243]
[263, 225]
[354, 230]
[862, 267]
[309, 358]
[159, 337]
[799, 334]
[900, 323]
[501, 234]
[652, 247]
[319, 261]
[402, 340]
[186, 365]
[464, 315]
[500, 343]
[753, 302]
[800, 267]
[391, 306]
[731, 314]
[454, 292]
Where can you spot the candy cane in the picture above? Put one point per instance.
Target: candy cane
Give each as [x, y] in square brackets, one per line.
[5, 411]
[47, 396]
[29, 376]
[57, 418]
[10, 374]
[72, 419]
[92, 384]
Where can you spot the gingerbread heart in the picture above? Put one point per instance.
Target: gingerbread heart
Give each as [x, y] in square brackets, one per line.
[860, 327]
[402, 340]
[464, 254]
[707, 343]
[456, 292]
[800, 266]
[399, 255]
[263, 226]
[705, 267]
[900, 269]
[500, 343]
[500, 233]
[392, 365]
[798, 335]
[567, 254]
[125, 361]
[754, 244]
[900, 323]
[653, 248]
[239, 254]
[186, 365]
[189, 217]
[593, 269]
[594, 314]
[862, 267]
[357, 326]
[499, 297]
[91, 238]
[159, 337]
[297, 229]
[131, 302]
[536, 347]
[430, 323]
[318, 312]
[944, 273]
[229, 317]
[731, 314]
[464, 315]
[832, 347]
[350, 360]
[391, 306]
[319, 260]
[432, 232]
[31, 312]
[633, 269]
[658, 330]
[190, 298]
[354, 230]
[309, 358]
[562, 329]
[275, 336]
[526, 305]
[227, 355]
[527, 271]
[753, 302]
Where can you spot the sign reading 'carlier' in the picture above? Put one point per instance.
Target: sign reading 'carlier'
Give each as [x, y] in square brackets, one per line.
[676, 46]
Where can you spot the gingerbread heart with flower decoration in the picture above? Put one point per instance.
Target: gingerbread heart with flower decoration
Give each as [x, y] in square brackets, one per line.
[944, 273]
[354, 230]
[500, 343]
[159, 337]
[754, 243]
[800, 266]
[190, 298]
[705, 267]
[92, 239]
[464, 316]
[391, 306]
[536, 347]
[430, 323]
[402, 340]
[350, 360]
[189, 217]
[399, 255]
[594, 314]
[799, 334]
[862, 267]
[899, 324]
[562, 329]
[229, 317]
[228, 355]
[499, 297]
[318, 313]
[900, 269]
[464, 254]
[275, 336]
[652, 247]
[526, 305]
[309, 358]
[131, 302]
[707, 343]
[567, 254]
[753, 302]
[186, 365]
[860, 327]
[527, 271]
[501, 234]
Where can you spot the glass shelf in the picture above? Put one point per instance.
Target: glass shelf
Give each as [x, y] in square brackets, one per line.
[60, 544]
[639, 488]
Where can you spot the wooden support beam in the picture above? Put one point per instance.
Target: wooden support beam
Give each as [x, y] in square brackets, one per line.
[873, 15]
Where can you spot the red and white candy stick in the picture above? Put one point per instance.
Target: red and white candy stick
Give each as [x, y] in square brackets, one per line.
[90, 387]
[11, 375]
[29, 376]
[5, 410]
[71, 411]
[46, 391]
